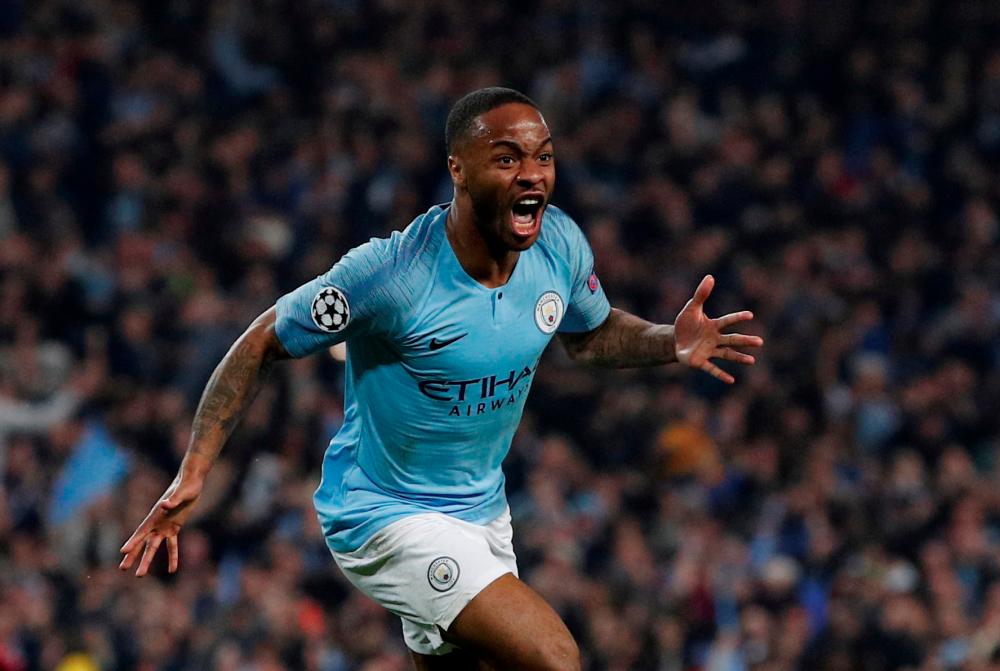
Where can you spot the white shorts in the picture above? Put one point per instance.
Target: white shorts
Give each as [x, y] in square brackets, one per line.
[426, 568]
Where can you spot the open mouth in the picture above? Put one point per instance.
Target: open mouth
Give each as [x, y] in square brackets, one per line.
[526, 214]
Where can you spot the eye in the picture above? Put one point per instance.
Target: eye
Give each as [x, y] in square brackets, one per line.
[545, 158]
[506, 160]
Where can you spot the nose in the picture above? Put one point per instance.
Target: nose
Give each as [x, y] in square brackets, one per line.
[530, 174]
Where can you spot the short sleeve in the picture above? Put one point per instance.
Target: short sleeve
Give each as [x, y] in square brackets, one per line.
[353, 298]
[588, 306]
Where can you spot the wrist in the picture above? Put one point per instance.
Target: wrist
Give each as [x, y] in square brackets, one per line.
[195, 467]
[666, 332]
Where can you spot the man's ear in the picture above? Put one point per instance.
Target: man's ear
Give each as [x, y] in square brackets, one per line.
[457, 169]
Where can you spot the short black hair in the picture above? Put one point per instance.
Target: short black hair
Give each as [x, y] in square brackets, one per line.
[471, 105]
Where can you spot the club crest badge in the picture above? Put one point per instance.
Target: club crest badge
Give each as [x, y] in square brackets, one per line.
[443, 573]
[330, 311]
[548, 311]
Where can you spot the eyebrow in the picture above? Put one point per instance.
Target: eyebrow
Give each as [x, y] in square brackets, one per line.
[514, 145]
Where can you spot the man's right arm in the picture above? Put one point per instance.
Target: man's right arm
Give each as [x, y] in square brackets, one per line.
[229, 392]
[347, 301]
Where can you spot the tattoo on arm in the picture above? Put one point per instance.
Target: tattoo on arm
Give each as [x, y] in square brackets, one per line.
[623, 341]
[232, 388]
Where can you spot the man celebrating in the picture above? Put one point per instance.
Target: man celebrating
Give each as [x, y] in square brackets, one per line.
[445, 324]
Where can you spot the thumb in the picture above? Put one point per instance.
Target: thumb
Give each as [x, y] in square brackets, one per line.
[174, 500]
[184, 493]
[702, 292]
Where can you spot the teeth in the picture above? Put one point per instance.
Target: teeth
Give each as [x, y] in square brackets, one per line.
[529, 201]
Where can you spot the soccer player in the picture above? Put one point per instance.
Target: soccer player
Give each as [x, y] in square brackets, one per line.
[445, 323]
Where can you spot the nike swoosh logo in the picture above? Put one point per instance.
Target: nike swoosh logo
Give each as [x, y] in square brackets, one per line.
[438, 344]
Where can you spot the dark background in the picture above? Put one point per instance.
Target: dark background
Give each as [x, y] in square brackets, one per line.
[168, 168]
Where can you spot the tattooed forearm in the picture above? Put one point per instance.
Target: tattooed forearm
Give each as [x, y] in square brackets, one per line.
[623, 341]
[230, 391]
[232, 388]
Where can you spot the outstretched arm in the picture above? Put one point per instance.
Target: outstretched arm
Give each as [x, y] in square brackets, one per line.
[626, 341]
[622, 341]
[229, 392]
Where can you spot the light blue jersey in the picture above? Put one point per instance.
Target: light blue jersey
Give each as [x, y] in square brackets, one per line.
[438, 368]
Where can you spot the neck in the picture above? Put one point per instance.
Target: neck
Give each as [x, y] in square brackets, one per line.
[484, 263]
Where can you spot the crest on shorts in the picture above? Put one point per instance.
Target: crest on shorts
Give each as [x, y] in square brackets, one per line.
[330, 311]
[442, 574]
[548, 311]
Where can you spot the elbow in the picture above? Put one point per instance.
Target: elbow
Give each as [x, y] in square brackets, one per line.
[575, 346]
[580, 355]
[583, 352]
[263, 338]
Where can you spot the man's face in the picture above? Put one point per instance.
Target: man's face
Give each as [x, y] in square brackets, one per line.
[508, 168]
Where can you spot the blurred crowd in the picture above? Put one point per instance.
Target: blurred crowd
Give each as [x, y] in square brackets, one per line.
[168, 169]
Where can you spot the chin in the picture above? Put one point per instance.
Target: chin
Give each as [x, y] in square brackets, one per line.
[519, 244]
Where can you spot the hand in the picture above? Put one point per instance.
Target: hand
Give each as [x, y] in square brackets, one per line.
[163, 522]
[698, 338]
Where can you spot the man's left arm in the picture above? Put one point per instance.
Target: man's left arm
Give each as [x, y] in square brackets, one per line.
[694, 339]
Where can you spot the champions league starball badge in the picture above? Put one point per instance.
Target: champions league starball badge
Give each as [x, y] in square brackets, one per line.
[330, 311]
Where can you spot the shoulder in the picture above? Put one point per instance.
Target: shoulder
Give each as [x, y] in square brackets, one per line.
[413, 246]
[394, 272]
[417, 246]
[394, 259]
[562, 235]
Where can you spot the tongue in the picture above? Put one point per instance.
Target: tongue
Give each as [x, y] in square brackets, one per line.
[523, 223]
